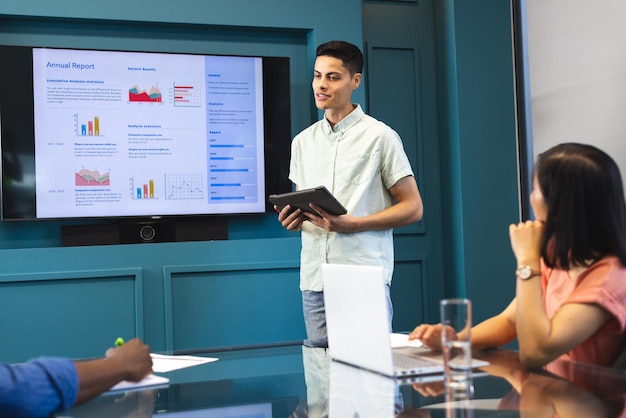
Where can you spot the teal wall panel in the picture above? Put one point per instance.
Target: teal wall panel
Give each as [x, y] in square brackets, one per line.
[488, 147]
[410, 294]
[237, 14]
[78, 276]
[77, 314]
[394, 86]
[479, 150]
[402, 80]
[232, 305]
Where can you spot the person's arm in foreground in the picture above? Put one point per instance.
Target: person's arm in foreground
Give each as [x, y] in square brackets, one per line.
[47, 385]
[37, 388]
[407, 209]
[130, 361]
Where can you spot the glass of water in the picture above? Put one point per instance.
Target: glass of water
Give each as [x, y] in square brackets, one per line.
[456, 341]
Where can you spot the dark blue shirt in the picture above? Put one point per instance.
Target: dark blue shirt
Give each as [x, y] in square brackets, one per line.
[38, 388]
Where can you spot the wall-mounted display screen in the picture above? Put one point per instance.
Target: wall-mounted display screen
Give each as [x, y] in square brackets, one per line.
[93, 133]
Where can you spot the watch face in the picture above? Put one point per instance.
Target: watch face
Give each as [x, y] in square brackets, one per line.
[524, 272]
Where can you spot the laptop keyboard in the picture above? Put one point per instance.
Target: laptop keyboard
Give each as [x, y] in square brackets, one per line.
[410, 362]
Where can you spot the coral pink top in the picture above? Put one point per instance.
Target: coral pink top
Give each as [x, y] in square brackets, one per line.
[603, 284]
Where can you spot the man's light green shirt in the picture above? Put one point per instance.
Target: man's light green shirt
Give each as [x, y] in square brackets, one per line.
[358, 161]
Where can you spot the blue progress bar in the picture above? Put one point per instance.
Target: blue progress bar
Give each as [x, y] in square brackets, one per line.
[228, 198]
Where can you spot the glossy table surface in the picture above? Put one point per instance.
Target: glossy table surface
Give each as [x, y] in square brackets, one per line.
[296, 381]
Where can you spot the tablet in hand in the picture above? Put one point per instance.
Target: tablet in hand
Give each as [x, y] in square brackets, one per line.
[319, 196]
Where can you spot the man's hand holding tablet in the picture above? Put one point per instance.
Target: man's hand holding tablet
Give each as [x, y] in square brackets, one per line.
[319, 196]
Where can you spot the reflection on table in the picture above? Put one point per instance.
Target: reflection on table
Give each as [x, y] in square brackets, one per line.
[299, 382]
[136, 404]
[355, 392]
[561, 389]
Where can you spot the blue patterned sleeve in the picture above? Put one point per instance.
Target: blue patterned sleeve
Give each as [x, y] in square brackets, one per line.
[39, 388]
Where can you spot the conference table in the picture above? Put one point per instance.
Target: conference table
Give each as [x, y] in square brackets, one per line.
[294, 381]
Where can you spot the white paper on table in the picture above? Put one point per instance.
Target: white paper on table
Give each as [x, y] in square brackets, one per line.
[149, 381]
[162, 363]
[402, 340]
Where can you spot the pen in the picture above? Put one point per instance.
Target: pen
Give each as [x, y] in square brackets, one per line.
[119, 341]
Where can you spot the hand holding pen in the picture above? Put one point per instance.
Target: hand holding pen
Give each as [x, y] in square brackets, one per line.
[135, 357]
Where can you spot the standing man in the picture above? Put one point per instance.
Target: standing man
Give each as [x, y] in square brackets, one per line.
[362, 162]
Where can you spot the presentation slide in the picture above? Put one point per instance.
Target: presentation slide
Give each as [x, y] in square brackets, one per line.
[135, 134]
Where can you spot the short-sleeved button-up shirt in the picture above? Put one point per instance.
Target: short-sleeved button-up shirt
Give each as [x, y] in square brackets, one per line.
[358, 161]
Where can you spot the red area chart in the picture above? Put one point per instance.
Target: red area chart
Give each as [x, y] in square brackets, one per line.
[86, 177]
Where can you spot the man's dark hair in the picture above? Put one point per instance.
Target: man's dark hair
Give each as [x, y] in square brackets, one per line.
[348, 53]
[586, 214]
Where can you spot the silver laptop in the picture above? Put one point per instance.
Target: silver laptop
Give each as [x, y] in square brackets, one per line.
[357, 320]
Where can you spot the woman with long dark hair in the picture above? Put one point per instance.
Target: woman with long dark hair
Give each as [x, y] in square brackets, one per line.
[571, 266]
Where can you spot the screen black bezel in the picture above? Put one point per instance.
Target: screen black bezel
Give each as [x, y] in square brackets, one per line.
[18, 138]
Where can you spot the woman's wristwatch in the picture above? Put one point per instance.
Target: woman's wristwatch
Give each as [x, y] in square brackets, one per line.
[525, 273]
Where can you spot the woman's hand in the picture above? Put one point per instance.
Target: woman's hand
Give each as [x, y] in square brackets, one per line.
[430, 335]
[526, 243]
